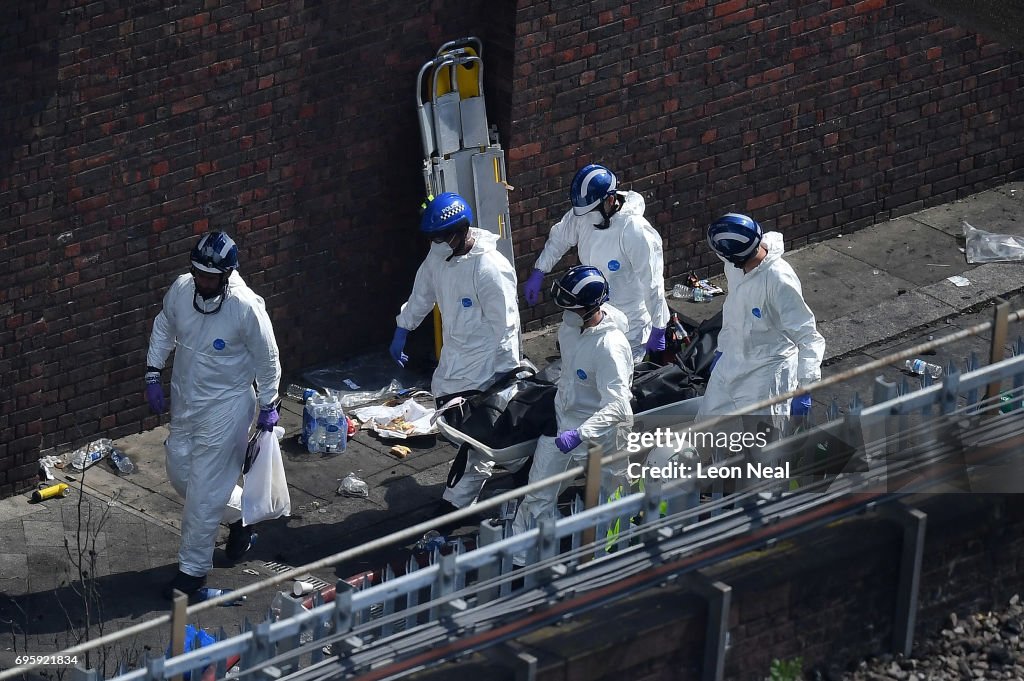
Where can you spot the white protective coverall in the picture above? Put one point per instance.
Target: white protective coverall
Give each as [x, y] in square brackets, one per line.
[476, 293]
[216, 358]
[628, 253]
[769, 342]
[593, 397]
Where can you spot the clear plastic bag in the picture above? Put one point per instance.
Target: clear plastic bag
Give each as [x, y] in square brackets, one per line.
[985, 246]
[352, 486]
[349, 399]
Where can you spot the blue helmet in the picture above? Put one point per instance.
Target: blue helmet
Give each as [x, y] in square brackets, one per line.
[583, 287]
[447, 211]
[215, 253]
[735, 237]
[590, 187]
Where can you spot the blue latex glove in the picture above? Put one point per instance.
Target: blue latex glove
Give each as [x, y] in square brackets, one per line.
[154, 392]
[801, 405]
[532, 289]
[714, 361]
[268, 418]
[568, 441]
[656, 341]
[397, 345]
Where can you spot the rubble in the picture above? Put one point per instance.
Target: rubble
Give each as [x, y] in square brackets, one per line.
[982, 646]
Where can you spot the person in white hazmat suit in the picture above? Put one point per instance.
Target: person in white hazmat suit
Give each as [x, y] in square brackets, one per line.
[610, 233]
[222, 341]
[769, 342]
[592, 402]
[474, 286]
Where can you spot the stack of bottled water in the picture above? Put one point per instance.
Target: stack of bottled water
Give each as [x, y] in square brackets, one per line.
[324, 425]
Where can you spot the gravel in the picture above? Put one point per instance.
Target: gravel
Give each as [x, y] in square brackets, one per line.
[982, 646]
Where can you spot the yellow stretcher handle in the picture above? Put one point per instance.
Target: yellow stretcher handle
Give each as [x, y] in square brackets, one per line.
[467, 78]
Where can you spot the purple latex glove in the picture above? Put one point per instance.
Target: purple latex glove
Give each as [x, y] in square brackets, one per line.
[268, 418]
[398, 345]
[656, 341]
[568, 441]
[154, 392]
[801, 405]
[532, 288]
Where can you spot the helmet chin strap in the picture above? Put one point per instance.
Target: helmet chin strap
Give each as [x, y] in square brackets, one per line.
[587, 316]
[221, 292]
[605, 214]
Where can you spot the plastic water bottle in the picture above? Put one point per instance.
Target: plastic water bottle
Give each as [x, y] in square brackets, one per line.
[698, 294]
[120, 461]
[300, 393]
[921, 367]
[334, 436]
[431, 541]
[312, 424]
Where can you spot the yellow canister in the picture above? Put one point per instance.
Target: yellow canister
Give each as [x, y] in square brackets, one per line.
[59, 490]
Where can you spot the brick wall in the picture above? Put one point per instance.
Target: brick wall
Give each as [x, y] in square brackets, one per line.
[815, 117]
[130, 126]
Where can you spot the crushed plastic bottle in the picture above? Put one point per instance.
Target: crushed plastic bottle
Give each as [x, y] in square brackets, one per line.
[83, 457]
[300, 393]
[120, 461]
[352, 486]
[920, 367]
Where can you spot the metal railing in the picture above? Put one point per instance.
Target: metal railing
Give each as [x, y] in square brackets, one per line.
[665, 530]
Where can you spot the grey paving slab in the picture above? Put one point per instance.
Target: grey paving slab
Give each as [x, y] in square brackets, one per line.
[15, 507]
[44, 533]
[12, 535]
[49, 567]
[993, 211]
[863, 328]
[12, 566]
[836, 284]
[1013, 190]
[986, 282]
[907, 248]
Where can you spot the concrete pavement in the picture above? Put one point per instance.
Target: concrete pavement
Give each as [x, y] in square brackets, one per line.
[874, 292]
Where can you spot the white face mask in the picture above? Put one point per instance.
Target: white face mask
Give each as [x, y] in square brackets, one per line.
[572, 319]
[442, 249]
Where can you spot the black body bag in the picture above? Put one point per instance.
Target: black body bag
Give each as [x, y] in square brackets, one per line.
[697, 357]
[512, 410]
[654, 386]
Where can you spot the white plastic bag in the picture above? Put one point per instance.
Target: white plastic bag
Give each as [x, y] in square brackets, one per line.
[982, 246]
[265, 491]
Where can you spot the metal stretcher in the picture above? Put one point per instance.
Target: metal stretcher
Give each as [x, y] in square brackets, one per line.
[674, 413]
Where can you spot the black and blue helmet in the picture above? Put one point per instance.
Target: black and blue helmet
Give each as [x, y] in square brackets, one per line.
[446, 212]
[590, 187]
[215, 253]
[735, 237]
[583, 287]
